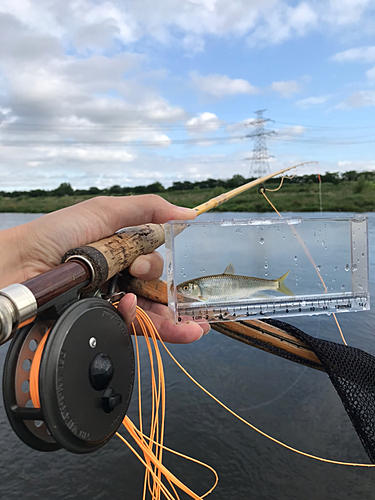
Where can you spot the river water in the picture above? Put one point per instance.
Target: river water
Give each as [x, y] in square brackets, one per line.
[296, 405]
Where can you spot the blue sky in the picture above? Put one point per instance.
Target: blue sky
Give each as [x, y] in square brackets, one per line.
[98, 93]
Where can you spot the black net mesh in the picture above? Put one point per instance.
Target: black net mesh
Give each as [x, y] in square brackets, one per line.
[352, 372]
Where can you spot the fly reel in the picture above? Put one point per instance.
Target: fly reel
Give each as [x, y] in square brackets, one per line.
[85, 379]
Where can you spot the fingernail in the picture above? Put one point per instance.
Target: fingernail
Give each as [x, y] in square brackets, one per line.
[187, 213]
[131, 313]
[202, 333]
[134, 303]
[209, 328]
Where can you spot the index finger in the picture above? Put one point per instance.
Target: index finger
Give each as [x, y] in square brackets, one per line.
[125, 211]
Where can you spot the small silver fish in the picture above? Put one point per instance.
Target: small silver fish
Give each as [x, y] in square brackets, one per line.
[229, 286]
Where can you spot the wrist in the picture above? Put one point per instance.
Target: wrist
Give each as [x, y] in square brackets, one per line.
[12, 259]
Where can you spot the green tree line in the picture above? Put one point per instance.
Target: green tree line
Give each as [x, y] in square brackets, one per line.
[65, 189]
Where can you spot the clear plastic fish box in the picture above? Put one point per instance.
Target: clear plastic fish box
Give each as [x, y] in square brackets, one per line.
[258, 268]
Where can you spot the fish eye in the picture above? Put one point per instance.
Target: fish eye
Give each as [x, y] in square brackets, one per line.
[185, 288]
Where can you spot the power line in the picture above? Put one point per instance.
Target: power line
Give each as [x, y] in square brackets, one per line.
[325, 127]
[167, 142]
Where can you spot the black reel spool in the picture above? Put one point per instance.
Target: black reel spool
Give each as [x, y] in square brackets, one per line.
[86, 379]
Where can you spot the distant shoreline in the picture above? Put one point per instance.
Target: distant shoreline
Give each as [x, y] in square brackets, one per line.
[354, 196]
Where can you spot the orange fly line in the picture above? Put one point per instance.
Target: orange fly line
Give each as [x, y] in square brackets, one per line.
[152, 446]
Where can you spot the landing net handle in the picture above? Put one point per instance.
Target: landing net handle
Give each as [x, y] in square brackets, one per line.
[84, 378]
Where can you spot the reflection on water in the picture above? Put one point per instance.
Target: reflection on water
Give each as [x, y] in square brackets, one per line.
[297, 405]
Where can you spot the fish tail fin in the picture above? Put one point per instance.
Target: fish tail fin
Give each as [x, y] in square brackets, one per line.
[282, 287]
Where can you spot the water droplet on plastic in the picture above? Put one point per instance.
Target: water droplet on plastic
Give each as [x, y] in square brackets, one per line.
[342, 287]
[354, 267]
[319, 267]
[239, 231]
[347, 267]
[265, 265]
[336, 268]
[261, 241]
[295, 257]
[363, 255]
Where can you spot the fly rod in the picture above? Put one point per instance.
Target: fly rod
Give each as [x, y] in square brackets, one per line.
[115, 253]
[76, 364]
[89, 267]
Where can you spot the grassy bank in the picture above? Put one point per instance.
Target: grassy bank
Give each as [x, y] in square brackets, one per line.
[357, 196]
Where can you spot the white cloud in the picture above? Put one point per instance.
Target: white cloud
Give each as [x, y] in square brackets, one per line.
[193, 43]
[286, 88]
[290, 132]
[203, 123]
[361, 99]
[363, 54]
[99, 25]
[344, 12]
[222, 85]
[236, 129]
[371, 74]
[309, 102]
[358, 165]
[91, 153]
[282, 21]
[77, 100]
[302, 17]
[91, 98]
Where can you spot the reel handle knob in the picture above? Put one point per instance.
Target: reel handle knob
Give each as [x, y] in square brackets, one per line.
[101, 371]
[111, 399]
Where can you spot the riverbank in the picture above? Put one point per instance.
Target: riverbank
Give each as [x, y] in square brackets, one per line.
[342, 197]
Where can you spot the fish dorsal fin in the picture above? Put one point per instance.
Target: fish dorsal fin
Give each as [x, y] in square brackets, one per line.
[229, 269]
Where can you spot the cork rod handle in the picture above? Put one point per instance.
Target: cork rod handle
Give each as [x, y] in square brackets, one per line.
[115, 253]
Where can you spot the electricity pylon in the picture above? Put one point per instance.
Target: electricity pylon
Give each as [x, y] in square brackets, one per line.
[259, 159]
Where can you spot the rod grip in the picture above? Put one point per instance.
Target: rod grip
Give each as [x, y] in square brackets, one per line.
[115, 253]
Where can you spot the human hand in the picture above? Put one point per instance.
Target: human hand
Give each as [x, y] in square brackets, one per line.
[39, 245]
